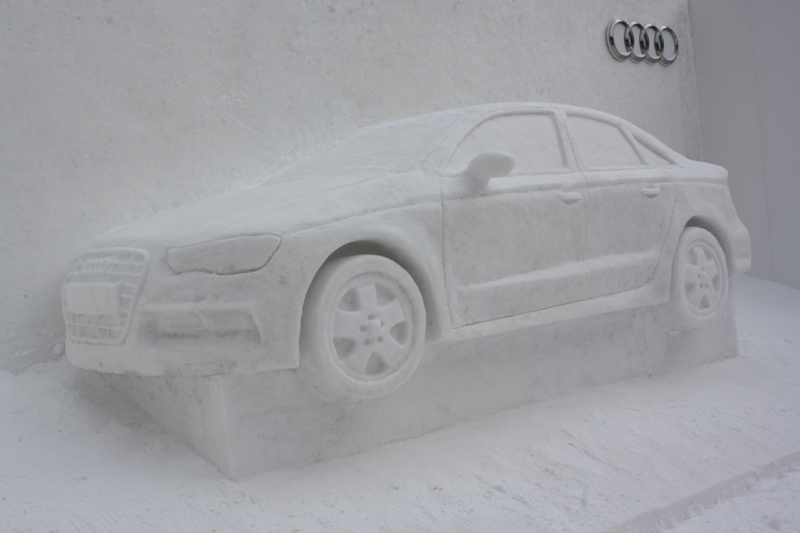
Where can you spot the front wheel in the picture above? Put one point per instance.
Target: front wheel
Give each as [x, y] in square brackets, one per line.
[363, 327]
[699, 276]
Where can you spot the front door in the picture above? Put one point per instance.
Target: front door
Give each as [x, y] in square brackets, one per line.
[517, 245]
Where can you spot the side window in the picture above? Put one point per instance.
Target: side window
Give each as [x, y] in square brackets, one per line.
[651, 156]
[601, 144]
[532, 139]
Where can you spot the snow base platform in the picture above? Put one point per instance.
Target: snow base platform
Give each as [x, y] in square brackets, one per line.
[247, 424]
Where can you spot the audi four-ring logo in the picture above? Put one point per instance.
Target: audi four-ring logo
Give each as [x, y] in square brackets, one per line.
[644, 35]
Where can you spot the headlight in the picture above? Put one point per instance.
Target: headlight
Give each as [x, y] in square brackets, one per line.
[224, 256]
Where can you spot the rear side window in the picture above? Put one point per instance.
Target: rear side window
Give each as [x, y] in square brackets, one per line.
[651, 156]
[532, 138]
[600, 144]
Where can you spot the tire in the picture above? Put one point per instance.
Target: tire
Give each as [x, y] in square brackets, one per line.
[699, 276]
[363, 328]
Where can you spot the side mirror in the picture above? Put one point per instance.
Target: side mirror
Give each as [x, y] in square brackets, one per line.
[486, 166]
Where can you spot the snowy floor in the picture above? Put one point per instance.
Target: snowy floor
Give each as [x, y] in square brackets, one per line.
[712, 449]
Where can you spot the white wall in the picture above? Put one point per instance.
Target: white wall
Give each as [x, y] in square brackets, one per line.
[112, 111]
[747, 55]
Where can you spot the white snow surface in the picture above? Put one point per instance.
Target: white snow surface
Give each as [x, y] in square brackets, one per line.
[714, 448]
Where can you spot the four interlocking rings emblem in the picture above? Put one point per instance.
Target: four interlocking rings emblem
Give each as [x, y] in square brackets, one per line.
[644, 35]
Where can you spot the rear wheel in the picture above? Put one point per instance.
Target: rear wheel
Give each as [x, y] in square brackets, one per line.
[699, 275]
[363, 327]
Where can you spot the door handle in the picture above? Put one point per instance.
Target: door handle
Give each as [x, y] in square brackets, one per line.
[569, 197]
[651, 191]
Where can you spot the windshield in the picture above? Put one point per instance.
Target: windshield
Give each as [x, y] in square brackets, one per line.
[393, 147]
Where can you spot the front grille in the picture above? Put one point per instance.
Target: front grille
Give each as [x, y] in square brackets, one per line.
[115, 273]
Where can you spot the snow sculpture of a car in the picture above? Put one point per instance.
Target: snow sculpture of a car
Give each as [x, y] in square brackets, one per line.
[436, 228]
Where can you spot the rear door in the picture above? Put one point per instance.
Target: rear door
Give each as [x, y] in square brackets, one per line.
[630, 202]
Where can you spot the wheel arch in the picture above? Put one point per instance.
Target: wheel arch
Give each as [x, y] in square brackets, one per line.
[421, 276]
[722, 236]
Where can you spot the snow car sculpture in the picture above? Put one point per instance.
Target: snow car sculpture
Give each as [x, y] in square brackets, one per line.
[436, 228]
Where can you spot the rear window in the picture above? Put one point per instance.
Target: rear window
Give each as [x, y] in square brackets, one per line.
[601, 144]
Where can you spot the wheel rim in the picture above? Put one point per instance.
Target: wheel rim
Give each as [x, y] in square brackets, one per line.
[372, 329]
[704, 283]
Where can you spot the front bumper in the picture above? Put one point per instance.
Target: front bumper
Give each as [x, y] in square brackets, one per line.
[155, 322]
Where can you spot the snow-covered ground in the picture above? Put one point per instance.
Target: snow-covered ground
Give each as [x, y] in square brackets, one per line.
[768, 505]
[711, 449]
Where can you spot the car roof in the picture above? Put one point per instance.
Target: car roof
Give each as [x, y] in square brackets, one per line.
[443, 129]
[473, 115]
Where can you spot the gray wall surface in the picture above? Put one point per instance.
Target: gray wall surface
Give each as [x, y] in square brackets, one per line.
[747, 55]
[113, 111]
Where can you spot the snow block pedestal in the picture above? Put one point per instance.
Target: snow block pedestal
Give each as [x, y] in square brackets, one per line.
[251, 423]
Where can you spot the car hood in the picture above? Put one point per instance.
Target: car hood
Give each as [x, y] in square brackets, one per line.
[278, 208]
